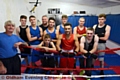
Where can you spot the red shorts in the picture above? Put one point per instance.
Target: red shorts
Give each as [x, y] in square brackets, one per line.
[67, 62]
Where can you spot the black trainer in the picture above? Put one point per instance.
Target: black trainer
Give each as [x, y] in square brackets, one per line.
[102, 73]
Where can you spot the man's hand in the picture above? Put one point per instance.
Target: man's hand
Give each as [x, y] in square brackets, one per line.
[60, 51]
[94, 56]
[38, 36]
[73, 54]
[87, 55]
[22, 46]
[17, 44]
[3, 70]
[65, 54]
[46, 49]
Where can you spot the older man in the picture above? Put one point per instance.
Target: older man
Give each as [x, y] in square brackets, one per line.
[8, 50]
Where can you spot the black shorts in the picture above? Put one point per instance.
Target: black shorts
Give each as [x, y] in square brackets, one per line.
[13, 65]
[48, 62]
[25, 52]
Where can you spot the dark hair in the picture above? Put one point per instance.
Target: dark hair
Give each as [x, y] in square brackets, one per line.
[68, 24]
[23, 17]
[102, 15]
[47, 36]
[64, 16]
[90, 28]
[51, 18]
[32, 16]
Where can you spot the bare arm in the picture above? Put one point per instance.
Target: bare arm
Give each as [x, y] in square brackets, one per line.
[44, 47]
[41, 33]
[17, 31]
[94, 27]
[29, 36]
[44, 33]
[82, 45]
[53, 46]
[107, 33]
[74, 31]
[76, 43]
[95, 44]
[40, 45]
[58, 27]
[59, 42]
[20, 43]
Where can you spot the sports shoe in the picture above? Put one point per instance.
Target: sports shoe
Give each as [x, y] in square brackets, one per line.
[82, 72]
[102, 73]
[88, 79]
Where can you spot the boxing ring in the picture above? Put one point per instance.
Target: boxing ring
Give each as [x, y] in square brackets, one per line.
[111, 69]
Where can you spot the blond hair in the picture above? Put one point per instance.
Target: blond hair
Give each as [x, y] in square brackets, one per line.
[81, 18]
[9, 22]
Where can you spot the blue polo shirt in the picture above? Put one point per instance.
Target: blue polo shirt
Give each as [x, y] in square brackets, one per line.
[7, 42]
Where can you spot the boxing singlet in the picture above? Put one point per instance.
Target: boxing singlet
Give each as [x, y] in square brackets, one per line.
[100, 32]
[52, 35]
[68, 44]
[34, 33]
[89, 46]
[83, 31]
[61, 30]
[23, 34]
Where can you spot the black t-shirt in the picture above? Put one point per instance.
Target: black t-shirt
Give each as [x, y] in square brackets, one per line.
[43, 27]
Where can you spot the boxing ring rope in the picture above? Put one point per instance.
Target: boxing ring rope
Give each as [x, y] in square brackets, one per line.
[74, 76]
[94, 76]
[56, 52]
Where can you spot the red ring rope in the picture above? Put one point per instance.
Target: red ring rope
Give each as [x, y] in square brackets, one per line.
[56, 52]
[45, 68]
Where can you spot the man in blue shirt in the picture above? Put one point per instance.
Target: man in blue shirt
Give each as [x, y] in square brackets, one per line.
[8, 49]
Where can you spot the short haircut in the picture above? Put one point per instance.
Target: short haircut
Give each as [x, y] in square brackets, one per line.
[32, 16]
[64, 16]
[47, 36]
[23, 17]
[82, 18]
[44, 16]
[9, 22]
[102, 15]
[68, 24]
[90, 28]
[51, 18]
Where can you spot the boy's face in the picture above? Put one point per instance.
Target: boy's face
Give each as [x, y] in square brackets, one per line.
[101, 20]
[33, 21]
[64, 20]
[51, 23]
[23, 21]
[47, 40]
